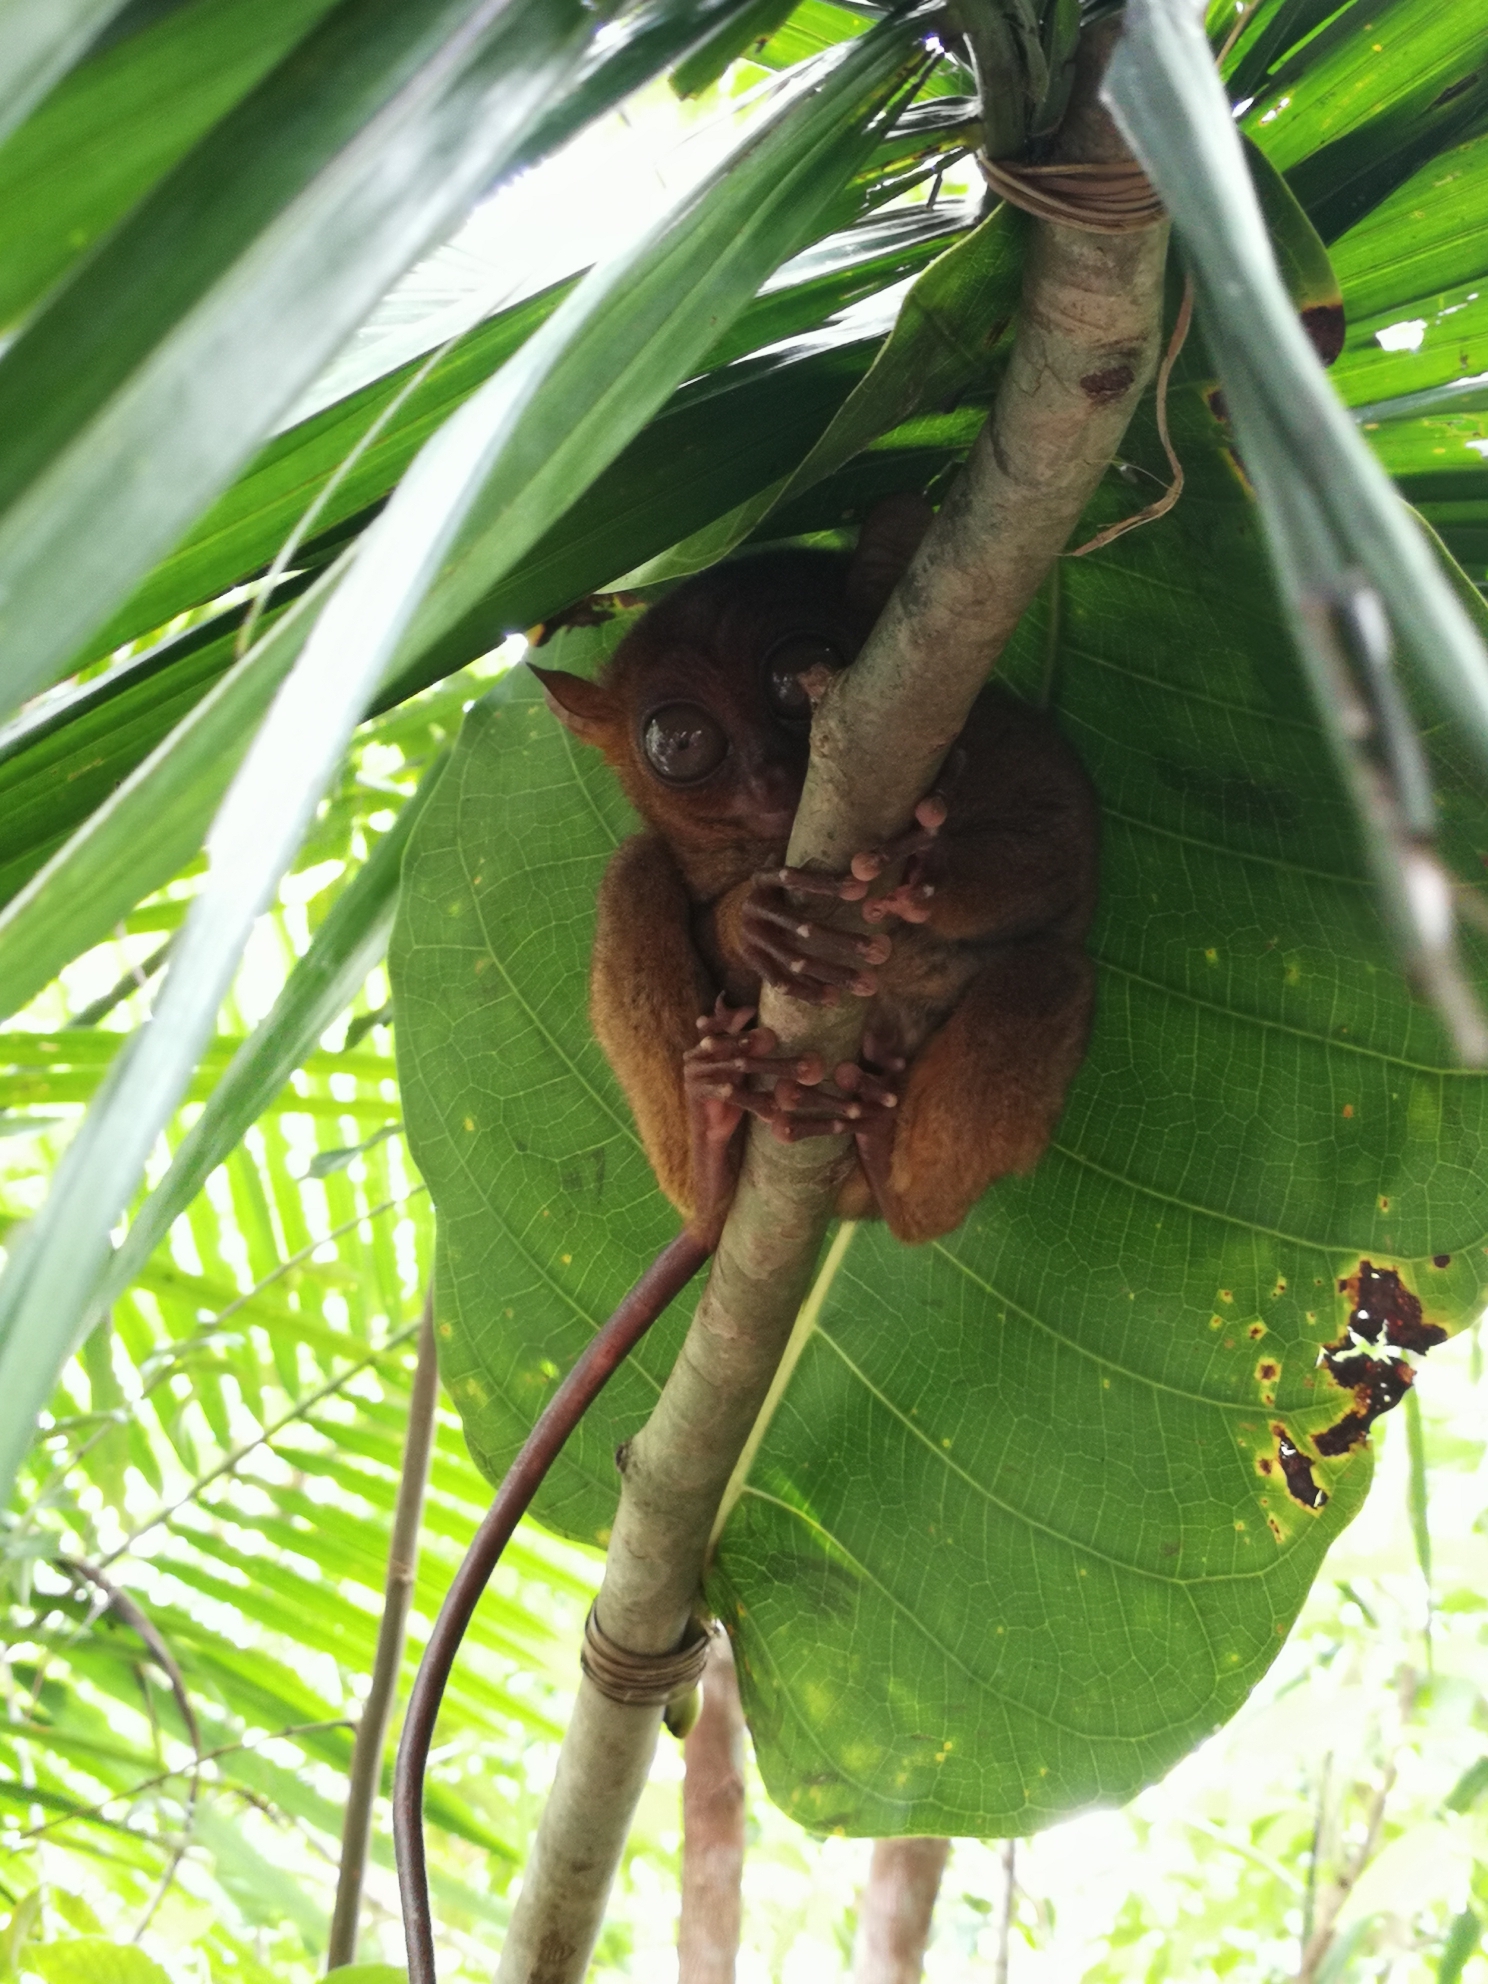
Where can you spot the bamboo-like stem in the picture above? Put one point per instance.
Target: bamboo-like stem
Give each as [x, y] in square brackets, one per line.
[897, 1910]
[392, 1632]
[1085, 348]
[713, 1828]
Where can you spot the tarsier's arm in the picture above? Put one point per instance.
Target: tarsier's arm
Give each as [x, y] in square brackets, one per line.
[688, 1060]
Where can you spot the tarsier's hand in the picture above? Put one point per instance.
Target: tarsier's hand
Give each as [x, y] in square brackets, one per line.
[818, 964]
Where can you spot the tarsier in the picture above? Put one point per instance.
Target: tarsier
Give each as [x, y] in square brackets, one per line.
[978, 1004]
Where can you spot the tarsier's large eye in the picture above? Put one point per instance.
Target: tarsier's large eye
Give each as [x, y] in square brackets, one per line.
[683, 743]
[786, 662]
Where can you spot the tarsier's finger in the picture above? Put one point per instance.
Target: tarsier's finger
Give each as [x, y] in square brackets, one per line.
[697, 1069]
[766, 1104]
[881, 1051]
[807, 978]
[930, 816]
[761, 1041]
[856, 1081]
[910, 902]
[814, 882]
[725, 1019]
[795, 1129]
[817, 941]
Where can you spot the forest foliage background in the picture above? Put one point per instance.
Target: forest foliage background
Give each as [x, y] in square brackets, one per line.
[226, 1449]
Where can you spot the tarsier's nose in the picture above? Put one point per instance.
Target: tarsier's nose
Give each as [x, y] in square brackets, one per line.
[774, 791]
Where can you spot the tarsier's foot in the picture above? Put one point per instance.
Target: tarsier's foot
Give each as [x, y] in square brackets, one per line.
[909, 900]
[733, 1071]
[860, 1100]
[732, 1068]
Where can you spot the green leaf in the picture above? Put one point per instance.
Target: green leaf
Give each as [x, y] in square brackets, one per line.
[146, 93]
[245, 528]
[1416, 270]
[1463, 1936]
[517, 456]
[150, 826]
[369, 1973]
[327, 978]
[62, 761]
[1020, 1556]
[941, 341]
[576, 392]
[1330, 514]
[42, 39]
[1301, 258]
[91, 1960]
[707, 62]
[1356, 109]
[1469, 1788]
[234, 280]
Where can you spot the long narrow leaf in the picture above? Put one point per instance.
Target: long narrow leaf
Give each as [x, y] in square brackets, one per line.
[347, 945]
[39, 41]
[1356, 571]
[232, 283]
[519, 453]
[562, 409]
[153, 824]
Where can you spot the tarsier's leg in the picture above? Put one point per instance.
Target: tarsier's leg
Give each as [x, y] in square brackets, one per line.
[985, 1092]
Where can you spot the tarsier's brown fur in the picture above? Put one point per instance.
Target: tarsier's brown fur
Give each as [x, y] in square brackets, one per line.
[977, 1012]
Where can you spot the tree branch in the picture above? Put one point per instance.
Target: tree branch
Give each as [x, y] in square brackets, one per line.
[713, 1828]
[1085, 348]
[392, 1632]
[897, 1910]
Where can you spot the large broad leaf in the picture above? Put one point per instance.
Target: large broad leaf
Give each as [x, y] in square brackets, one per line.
[1018, 1533]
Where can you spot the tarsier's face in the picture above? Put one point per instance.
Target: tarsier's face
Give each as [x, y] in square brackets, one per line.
[702, 709]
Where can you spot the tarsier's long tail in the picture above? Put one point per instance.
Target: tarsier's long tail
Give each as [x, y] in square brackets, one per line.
[667, 1275]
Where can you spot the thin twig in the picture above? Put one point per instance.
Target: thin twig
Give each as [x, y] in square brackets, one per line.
[713, 1817]
[171, 1358]
[1174, 489]
[392, 1633]
[41, 1733]
[134, 980]
[1005, 1919]
[897, 1910]
[230, 1463]
[138, 1621]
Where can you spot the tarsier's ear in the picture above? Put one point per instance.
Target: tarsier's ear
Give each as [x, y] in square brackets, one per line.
[583, 707]
[889, 538]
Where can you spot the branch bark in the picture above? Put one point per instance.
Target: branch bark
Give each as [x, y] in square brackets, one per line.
[387, 1662]
[713, 1828]
[897, 1910]
[1085, 348]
